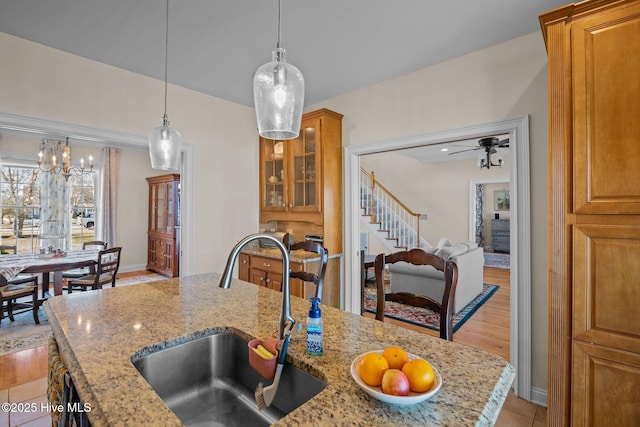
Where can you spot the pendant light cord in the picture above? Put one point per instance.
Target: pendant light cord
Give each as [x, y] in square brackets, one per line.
[278, 43]
[166, 59]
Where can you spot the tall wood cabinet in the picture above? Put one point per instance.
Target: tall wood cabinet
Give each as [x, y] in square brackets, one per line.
[301, 179]
[594, 213]
[164, 225]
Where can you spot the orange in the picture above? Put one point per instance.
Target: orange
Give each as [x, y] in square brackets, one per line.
[420, 375]
[371, 368]
[396, 357]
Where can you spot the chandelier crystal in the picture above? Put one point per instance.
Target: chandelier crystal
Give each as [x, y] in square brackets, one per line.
[278, 95]
[165, 143]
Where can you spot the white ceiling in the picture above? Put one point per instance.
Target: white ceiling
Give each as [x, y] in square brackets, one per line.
[215, 46]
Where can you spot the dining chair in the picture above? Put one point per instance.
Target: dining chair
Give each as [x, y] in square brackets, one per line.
[105, 272]
[306, 276]
[81, 272]
[443, 308]
[19, 287]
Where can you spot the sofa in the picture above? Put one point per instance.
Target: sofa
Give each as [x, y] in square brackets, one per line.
[426, 280]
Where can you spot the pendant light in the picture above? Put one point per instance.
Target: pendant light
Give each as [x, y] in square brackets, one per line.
[278, 94]
[165, 143]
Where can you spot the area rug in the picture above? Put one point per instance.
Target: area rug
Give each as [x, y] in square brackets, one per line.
[24, 334]
[425, 317]
[497, 260]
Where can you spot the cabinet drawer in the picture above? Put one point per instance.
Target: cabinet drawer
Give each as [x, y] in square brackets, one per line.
[266, 264]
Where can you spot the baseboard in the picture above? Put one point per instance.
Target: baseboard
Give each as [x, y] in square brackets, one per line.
[539, 396]
[130, 268]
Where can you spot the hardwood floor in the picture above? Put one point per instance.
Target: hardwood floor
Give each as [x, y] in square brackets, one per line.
[487, 329]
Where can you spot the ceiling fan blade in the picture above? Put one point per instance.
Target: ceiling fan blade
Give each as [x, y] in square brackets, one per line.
[503, 143]
[463, 151]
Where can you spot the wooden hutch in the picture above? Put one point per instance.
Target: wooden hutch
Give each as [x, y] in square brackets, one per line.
[163, 252]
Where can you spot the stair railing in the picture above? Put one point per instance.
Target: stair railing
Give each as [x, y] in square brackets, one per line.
[386, 209]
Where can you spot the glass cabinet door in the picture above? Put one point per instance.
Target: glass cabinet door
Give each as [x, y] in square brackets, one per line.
[170, 202]
[161, 208]
[305, 159]
[273, 175]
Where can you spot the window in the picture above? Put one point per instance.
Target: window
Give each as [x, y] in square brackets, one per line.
[20, 201]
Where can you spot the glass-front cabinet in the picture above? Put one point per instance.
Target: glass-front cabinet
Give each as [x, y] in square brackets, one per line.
[273, 175]
[164, 224]
[305, 192]
[293, 173]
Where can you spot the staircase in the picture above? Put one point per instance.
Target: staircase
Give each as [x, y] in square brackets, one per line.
[387, 217]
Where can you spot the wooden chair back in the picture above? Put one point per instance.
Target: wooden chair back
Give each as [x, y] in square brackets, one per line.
[316, 279]
[95, 244]
[108, 265]
[419, 257]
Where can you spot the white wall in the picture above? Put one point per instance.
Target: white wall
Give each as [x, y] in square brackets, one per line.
[440, 190]
[41, 82]
[503, 81]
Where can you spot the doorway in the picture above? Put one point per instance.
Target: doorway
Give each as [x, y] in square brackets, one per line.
[520, 280]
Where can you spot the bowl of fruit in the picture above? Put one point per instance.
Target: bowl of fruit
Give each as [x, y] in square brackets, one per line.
[394, 376]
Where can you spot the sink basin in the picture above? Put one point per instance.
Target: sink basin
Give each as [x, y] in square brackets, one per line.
[208, 381]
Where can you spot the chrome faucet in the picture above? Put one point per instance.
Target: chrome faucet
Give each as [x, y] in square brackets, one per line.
[286, 321]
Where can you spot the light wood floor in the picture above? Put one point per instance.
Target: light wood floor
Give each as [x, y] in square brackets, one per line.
[487, 329]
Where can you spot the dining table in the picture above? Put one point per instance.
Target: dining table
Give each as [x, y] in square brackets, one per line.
[35, 263]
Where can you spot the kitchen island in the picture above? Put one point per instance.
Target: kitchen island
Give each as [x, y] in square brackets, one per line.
[99, 331]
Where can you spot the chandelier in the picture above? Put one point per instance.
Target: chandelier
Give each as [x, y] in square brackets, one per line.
[51, 164]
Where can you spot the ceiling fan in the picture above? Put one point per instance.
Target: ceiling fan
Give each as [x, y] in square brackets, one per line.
[489, 146]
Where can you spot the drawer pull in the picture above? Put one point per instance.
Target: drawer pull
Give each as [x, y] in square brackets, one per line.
[266, 264]
[268, 280]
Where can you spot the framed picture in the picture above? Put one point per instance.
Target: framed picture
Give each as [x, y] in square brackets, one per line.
[501, 200]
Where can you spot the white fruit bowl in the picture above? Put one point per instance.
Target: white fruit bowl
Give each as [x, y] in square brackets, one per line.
[376, 392]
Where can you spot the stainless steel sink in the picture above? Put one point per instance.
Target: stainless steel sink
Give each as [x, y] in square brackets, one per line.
[208, 381]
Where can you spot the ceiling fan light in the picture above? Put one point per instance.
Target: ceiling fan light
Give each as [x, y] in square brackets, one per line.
[278, 94]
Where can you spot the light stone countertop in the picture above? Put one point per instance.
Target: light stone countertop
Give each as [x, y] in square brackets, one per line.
[99, 331]
[296, 256]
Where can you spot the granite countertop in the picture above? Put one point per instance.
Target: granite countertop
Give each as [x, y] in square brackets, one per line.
[296, 256]
[99, 331]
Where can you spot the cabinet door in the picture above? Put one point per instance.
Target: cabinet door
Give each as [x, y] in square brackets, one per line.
[305, 172]
[170, 222]
[151, 253]
[605, 386]
[161, 208]
[258, 277]
[606, 60]
[243, 267]
[274, 281]
[273, 175]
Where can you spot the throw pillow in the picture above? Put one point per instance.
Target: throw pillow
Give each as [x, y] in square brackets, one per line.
[443, 243]
[451, 251]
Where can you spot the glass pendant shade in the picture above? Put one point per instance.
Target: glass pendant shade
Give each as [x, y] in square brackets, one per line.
[165, 147]
[278, 94]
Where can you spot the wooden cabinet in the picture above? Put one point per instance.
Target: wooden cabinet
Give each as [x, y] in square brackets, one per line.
[301, 179]
[594, 213]
[163, 231]
[500, 235]
[267, 272]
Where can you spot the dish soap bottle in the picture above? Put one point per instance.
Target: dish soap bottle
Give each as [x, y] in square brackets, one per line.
[314, 329]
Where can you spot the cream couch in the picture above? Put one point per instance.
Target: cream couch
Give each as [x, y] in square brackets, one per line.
[426, 280]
